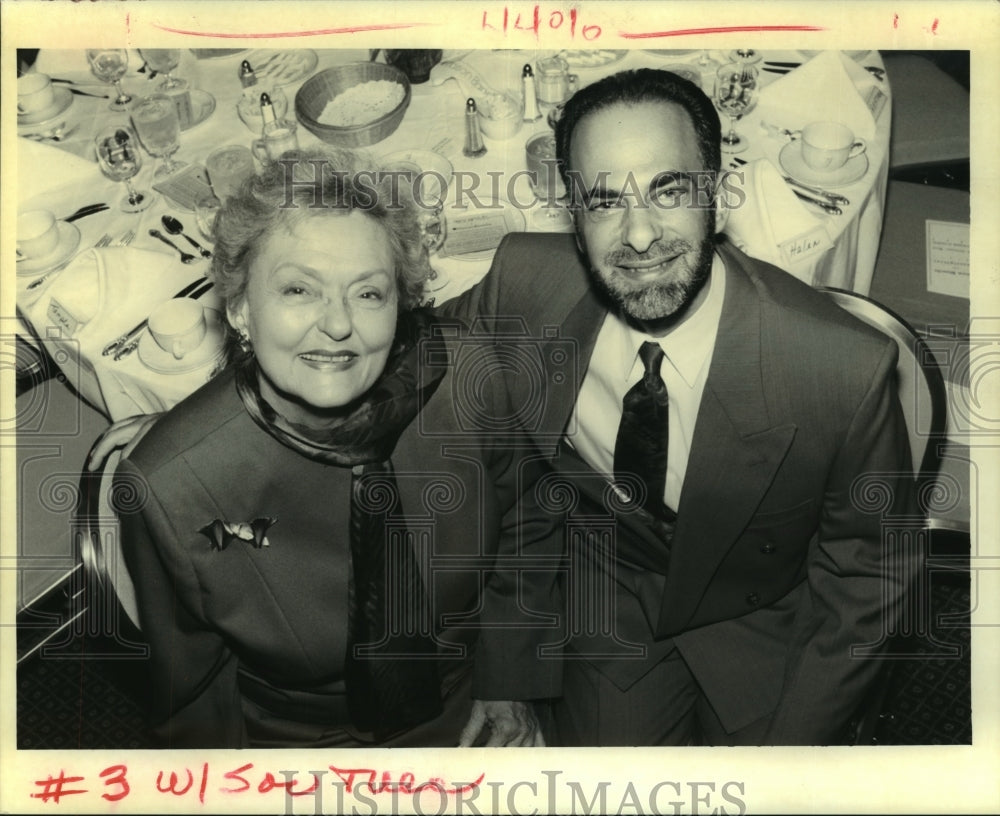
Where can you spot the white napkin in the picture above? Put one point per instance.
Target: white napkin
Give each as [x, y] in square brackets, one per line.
[828, 87]
[99, 296]
[772, 224]
[43, 168]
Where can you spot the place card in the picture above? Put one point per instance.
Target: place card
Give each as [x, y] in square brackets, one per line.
[948, 258]
[805, 245]
[186, 187]
[475, 233]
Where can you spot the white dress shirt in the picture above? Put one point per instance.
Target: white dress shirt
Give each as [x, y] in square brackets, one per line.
[615, 367]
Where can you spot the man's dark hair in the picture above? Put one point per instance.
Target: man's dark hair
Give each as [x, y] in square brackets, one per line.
[636, 87]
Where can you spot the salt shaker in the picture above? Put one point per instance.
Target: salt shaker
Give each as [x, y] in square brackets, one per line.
[531, 112]
[474, 146]
[266, 112]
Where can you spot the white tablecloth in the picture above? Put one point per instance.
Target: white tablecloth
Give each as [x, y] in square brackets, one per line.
[434, 121]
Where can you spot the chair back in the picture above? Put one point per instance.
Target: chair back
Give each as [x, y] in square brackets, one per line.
[924, 400]
[109, 585]
[920, 383]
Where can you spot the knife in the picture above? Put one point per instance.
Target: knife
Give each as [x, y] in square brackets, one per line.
[134, 336]
[78, 92]
[783, 64]
[116, 344]
[83, 212]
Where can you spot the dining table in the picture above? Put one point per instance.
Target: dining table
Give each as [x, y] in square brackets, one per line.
[115, 272]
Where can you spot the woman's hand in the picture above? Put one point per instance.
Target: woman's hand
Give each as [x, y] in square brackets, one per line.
[125, 434]
[510, 722]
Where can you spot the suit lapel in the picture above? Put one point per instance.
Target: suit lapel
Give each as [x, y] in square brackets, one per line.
[734, 456]
[565, 360]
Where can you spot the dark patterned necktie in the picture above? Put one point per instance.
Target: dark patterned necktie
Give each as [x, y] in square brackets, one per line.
[641, 446]
[390, 674]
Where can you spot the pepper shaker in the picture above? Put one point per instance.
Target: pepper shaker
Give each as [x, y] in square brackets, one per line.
[247, 76]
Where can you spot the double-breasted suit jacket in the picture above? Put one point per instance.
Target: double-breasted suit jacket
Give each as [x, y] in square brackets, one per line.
[776, 568]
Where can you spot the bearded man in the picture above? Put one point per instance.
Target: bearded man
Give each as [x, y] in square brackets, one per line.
[710, 414]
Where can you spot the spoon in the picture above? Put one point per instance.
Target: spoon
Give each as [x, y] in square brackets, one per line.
[186, 257]
[175, 227]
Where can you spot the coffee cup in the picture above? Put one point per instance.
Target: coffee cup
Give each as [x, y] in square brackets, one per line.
[37, 234]
[278, 137]
[227, 168]
[34, 93]
[827, 146]
[178, 326]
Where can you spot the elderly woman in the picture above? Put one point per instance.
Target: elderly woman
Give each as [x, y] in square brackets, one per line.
[314, 556]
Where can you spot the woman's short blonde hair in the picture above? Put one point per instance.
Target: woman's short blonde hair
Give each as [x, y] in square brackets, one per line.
[305, 184]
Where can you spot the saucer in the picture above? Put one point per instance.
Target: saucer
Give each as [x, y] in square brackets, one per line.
[429, 162]
[61, 101]
[216, 53]
[791, 162]
[688, 72]
[210, 350]
[69, 241]
[282, 67]
[202, 106]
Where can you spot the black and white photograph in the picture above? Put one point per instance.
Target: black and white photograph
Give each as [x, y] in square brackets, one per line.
[595, 404]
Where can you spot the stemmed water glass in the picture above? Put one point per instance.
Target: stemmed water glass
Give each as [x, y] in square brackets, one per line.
[735, 95]
[109, 65]
[163, 61]
[159, 127]
[120, 160]
[546, 185]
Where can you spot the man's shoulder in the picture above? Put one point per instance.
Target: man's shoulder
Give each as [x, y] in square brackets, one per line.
[189, 423]
[799, 307]
[551, 262]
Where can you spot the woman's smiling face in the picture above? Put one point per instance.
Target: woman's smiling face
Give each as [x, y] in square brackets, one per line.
[320, 308]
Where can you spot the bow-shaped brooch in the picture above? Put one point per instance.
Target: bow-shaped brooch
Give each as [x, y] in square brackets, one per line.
[223, 533]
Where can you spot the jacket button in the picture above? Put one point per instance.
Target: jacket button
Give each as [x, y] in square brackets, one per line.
[753, 599]
[767, 548]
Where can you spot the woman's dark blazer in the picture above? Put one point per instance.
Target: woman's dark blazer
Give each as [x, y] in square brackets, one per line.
[275, 616]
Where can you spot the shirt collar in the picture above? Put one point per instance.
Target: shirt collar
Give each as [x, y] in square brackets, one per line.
[688, 348]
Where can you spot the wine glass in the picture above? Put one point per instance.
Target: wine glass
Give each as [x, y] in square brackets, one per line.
[120, 160]
[163, 61]
[735, 95]
[159, 127]
[109, 65]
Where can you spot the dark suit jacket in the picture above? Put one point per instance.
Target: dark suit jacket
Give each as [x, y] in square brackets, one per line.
[776, 568]
[275, 617]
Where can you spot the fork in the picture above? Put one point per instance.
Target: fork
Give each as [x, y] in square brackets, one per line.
[103, 241]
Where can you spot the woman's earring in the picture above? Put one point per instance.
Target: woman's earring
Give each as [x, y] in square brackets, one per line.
[245, 345]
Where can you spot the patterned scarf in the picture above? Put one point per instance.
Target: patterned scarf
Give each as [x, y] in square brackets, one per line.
[389, 670]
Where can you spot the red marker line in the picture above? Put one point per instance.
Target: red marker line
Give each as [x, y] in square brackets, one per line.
[646, 35]
[317, 33]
